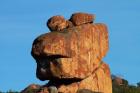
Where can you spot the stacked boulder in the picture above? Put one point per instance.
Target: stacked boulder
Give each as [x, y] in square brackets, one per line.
[70, 56]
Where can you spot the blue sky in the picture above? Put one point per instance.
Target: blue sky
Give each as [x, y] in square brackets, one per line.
[21, 21]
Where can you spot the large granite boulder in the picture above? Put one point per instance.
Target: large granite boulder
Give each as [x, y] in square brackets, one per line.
[73, 53]
[57, 23]
[70, 56]
[82, 18]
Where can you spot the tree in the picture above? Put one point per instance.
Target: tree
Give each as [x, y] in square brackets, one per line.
[138, 84]
[125, 82]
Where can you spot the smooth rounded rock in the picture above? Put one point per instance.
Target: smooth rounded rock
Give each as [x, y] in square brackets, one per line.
[57, 23]
[82, 18]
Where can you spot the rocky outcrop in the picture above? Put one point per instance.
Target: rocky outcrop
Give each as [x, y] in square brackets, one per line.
[70, 56]
[33, 88]
[74, 53]
[57, 23]
[81, 18]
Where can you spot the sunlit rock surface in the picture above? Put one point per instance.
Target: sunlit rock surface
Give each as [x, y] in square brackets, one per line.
[70, 56]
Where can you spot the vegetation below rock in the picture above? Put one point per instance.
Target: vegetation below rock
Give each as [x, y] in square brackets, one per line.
[122, 86]
[119, 86]
[126, 89]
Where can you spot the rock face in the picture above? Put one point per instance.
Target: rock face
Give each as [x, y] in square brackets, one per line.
[81, 18]
[57, 23]
[71, 56]
[33, 88]
[118, 81]
[73, 53]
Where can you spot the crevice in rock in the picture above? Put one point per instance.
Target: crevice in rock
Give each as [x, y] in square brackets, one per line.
[58, 82]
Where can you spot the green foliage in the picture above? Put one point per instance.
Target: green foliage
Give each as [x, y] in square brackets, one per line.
[31, 91]
[125, 88]
[11, 91]
[125, 82]
[138, 84]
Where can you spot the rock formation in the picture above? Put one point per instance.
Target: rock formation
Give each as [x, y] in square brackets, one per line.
[81, 18]
[33, 88]
[70, 56]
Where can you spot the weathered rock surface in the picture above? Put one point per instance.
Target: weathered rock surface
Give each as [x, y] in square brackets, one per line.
[57, 23]
[117, 81]
[71, 56]
[82, 18]
[99, 81]
[33, 88]
[73, 53]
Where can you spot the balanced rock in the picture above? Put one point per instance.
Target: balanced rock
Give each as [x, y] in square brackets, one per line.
[81, 18]
[73, 53]
[57, 23]
[70, 56]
